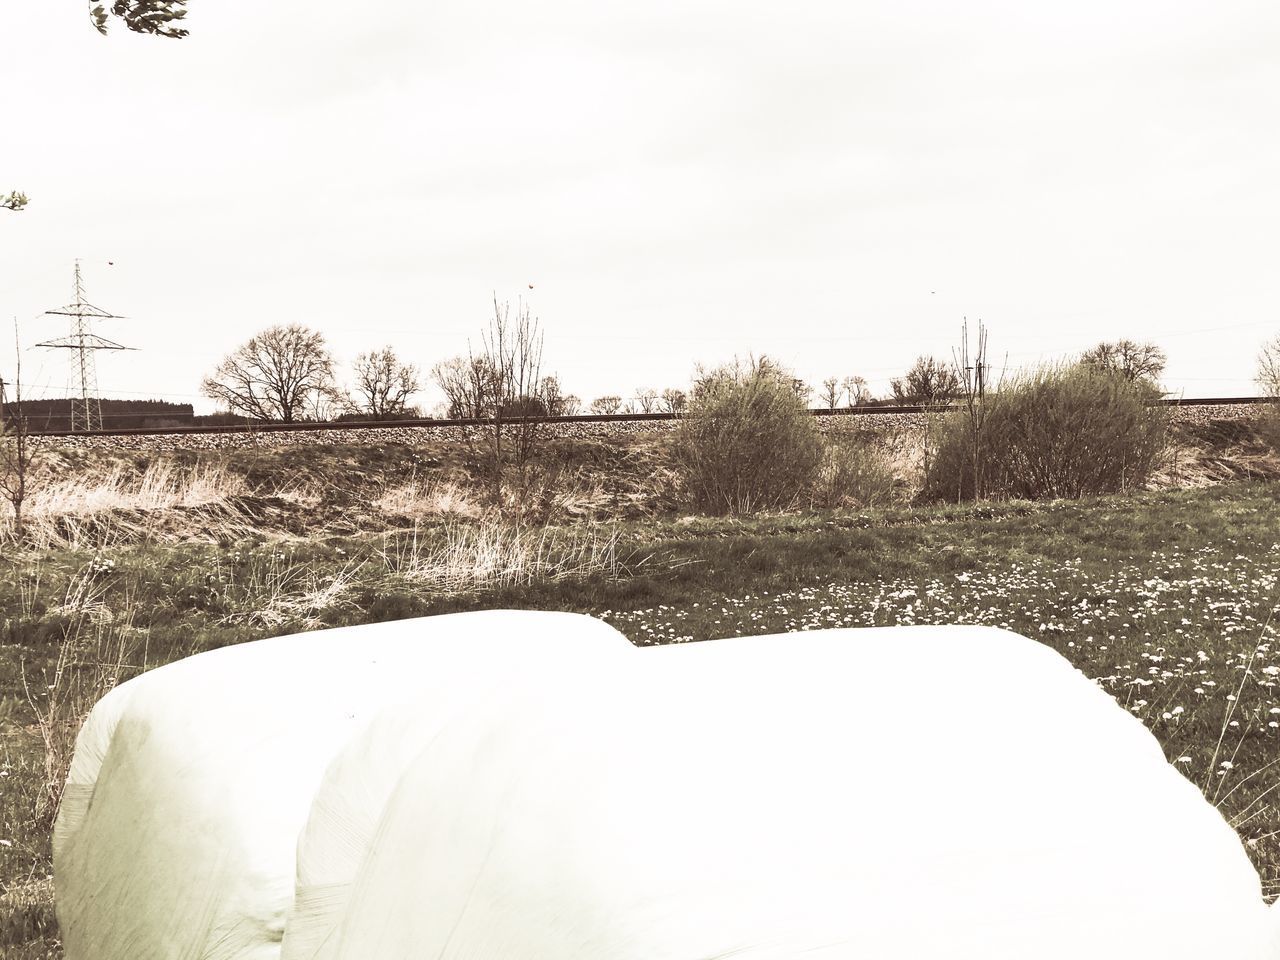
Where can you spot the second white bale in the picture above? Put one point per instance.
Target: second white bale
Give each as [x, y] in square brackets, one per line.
[891, 793]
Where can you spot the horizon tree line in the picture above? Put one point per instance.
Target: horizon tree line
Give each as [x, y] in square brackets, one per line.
[286, 373]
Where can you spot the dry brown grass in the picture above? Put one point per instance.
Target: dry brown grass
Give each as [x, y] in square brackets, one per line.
[421, 499]
[282, 593]
[98, 649]
[854, 473]
[496, 554]
[163, 502]
[27, 918]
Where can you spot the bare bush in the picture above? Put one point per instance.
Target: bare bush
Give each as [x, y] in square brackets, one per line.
[606, 405]
[747, 442]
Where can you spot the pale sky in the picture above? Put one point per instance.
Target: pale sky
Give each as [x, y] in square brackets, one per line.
[835, 184]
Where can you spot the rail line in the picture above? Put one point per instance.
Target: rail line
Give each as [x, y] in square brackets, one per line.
[311, 426]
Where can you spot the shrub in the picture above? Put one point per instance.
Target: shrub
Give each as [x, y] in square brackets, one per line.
[747, 442]
[1060, 432]
[1268, 378]
[853, 473]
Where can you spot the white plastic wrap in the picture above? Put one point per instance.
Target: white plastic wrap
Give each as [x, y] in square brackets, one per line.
[348, 804]
[894, 794]
[193, 781]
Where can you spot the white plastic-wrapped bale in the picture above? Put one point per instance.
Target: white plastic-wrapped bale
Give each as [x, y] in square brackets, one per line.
[899, 793]
[192, 782]
[348, 804]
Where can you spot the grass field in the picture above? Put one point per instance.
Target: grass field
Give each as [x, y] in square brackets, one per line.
[1165, 598]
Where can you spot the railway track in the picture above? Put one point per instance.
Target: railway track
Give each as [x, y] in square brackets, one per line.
[303, 427]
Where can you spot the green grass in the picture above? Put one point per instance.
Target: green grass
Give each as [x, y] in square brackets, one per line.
[1165, 598]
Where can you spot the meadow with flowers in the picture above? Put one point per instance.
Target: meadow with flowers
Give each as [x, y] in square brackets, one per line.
[1167, 599]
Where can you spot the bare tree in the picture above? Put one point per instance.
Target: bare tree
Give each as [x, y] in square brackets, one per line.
[647, 401]
[1133, 361]
[929, 382]
[1268, 378]
[274, 375]
[855, 391]
[511, 355]
[327, 404]
[831, 392]
[554, 402]
[606, 405]
[385, 383]
[18, 448]
[674, 401]
[973, 371]
[570, 405]
[465, 382]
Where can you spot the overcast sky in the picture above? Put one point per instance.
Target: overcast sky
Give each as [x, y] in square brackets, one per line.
[835, 184]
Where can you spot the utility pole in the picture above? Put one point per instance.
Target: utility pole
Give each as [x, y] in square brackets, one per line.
[86, 409]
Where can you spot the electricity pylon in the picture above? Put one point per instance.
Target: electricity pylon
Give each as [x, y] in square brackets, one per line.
[86, 409]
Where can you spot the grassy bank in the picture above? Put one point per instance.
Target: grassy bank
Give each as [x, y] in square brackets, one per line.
[1164, 597]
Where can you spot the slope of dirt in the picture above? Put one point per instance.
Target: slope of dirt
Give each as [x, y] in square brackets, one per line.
[318, 489]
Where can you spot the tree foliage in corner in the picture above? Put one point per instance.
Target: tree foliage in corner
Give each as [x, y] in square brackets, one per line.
[160, 17]
[163, 18]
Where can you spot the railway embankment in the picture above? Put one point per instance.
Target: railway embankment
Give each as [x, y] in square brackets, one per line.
[888, 425]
